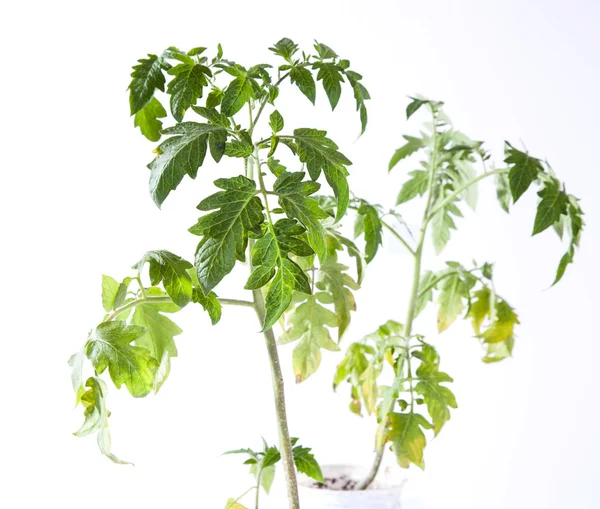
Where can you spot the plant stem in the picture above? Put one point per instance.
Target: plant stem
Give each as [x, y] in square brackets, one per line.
[149, 300]
[285, 444]
[399, 368]
[454, 194]
[257, 489]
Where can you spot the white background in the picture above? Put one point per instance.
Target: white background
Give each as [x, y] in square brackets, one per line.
[75, 205]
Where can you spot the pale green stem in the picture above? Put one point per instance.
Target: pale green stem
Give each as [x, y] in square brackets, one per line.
[285, 444]
[257, 488]
[462, 188]
[166, 299]
[412, 305]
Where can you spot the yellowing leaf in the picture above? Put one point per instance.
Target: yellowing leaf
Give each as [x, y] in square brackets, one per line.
[407, 437]
[309, 322]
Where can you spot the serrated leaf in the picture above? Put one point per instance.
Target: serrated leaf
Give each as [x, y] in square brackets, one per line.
[214, 98]
[305, 82]
[209, 302]
[320, 153]
[147, 119]
[147, 76]
[441, 225]
[371, 226]
[416, 186]
[524, 169]
[574, 225]
[224, 231]
[239, 149]
[158, 339]
[552, 206]
[237, 93]
[330, 76]
[438, 398]
[289, 277]
[324, 51]
[294, 199]
[352, 251]
[181, 154]
[94, 402]
[276, 121]
[186, 87]
[110, 347]
[306, 463]
[285, 48]
[411, 146]
[333, 279]
[408, 439]
[308, 322]
[172, 271]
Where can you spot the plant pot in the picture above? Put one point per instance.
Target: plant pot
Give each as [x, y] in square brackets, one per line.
[384, 493]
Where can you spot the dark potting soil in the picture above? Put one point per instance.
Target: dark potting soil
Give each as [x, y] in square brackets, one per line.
[342, 483]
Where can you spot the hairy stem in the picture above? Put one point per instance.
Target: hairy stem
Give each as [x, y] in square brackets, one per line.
[410, 316]
[285, 443]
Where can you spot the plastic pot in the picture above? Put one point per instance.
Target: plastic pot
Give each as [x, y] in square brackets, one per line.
[384, 493]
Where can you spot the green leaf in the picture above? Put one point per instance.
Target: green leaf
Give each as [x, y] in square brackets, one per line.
[352, 250]
[503, 191]
[333, 279]
[181, 154]
[294, 199]
[213, 116]
[276, 121]
[330, 76]
[289, 277]
[309, 322]
[209, 302]
[303, 79]
[158, 339]
[225, 230]
[552, 206]
[285, 48]
[413, 145]
[110, 347]
[441, 225]
[439, 399]
[324, 51]
[147, 76]
[239, 149]
[237, 93]
[371, 225]
[110, 289]
[306, 463]
[172, 271]
[414, 106]
[574, 225]
[425, 294]
[320, 153]
[524, 169]
[408, 439]
[147, 119]
[361, 94]
[414, 187]
[214, 98]
[186, 87]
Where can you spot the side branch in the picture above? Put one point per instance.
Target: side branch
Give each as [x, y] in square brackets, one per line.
[451, 197]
